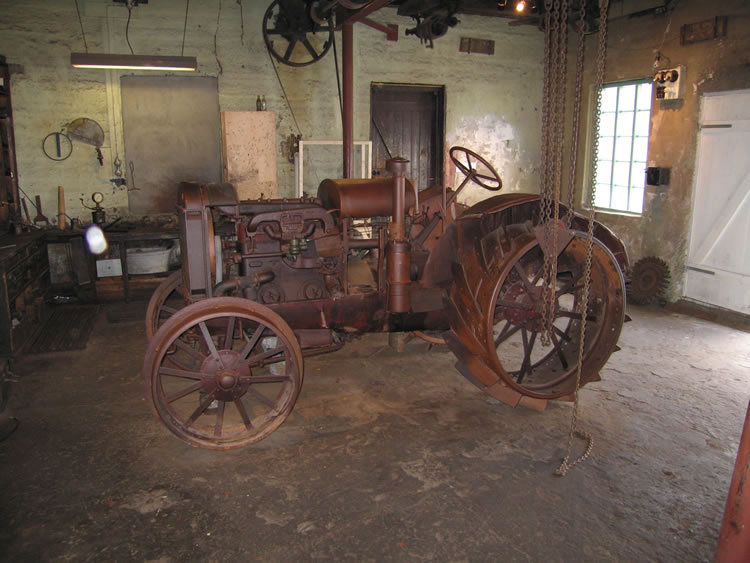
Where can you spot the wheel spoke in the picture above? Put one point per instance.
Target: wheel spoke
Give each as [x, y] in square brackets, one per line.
[515, 305]
[184, 392]
[568, 289]
[528, 346]
[502, 337]
[558, 347]
[287, 56]
[243, 412]
[201, 409]
[210, 343]
[571, 285]
[310, 49]
[228, 336]
[563, 335]
[538, 275]
[180, 373]
[168, 310]
[262, 398]
[184, 346]
[220, 418]
[576, 315]
[252, 342]
[253, 379]
[254, 360]
[525, 280]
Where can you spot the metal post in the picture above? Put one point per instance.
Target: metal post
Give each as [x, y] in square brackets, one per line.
[734, 538]
[348, 93]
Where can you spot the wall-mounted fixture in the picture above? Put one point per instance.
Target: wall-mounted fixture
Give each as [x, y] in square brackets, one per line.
[657, 176]
[132, 62]
[669, 83]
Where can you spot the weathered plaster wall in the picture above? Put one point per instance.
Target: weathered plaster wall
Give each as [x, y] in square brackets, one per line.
[711, 66]
[492, 103]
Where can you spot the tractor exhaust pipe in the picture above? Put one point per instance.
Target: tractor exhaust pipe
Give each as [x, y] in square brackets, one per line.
[398, 250]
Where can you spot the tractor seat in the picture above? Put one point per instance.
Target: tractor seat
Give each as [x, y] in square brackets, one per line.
[362, 198]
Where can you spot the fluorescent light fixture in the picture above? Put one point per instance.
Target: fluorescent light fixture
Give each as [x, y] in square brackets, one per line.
[132, 62]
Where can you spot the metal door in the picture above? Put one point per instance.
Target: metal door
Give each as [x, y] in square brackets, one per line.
[718, 270]
[407, 121]
[172, 135]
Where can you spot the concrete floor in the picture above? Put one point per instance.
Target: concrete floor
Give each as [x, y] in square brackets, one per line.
[386, 457]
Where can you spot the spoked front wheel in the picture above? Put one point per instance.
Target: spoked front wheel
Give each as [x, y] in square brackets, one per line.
[240, 372]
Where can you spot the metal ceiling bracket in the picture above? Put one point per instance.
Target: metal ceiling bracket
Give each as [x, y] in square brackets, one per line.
[390, 29]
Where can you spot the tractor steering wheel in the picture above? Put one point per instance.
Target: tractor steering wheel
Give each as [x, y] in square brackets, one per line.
[488, 178]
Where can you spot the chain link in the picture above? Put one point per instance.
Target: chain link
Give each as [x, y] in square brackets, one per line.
[565, 466]
[576, 113]
[551, 137]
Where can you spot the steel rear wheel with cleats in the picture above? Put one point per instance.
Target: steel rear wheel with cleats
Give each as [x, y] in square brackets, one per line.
[514, 326]
[237, 381]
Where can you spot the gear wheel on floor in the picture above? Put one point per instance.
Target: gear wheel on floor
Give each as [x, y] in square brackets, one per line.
[648, 280]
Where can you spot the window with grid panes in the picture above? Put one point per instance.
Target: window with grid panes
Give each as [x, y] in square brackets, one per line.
[624, 118]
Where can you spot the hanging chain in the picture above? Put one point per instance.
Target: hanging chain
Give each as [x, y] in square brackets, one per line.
[574, 431]
[576, 113]
[551, 137]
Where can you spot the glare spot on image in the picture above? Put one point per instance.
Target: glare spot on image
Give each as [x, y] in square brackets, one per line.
[96, 240]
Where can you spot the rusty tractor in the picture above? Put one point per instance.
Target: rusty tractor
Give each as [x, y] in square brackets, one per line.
[266, 282]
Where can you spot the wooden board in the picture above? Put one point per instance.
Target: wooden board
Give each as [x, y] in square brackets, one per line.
[249, 153]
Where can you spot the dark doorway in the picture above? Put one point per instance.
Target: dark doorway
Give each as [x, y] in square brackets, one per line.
[408, 120]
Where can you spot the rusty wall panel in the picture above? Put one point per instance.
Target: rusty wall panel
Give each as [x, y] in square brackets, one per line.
[172, 135]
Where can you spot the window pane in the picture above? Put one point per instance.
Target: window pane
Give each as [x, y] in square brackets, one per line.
[640, 148]
[644, 96]
[625, 124]
[607, 124]
[636, 200]
[638, 175]
[609, 99]
[604, 172]
[619, 197]
[602, 196]
[642, 120]
[627, 98]
[622, 148]
[606, 146]
[621, 176]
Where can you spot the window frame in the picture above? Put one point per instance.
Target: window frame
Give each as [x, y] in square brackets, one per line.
[587, 203]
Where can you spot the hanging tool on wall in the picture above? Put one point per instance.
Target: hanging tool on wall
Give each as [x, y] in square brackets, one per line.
[89, 132]
[40, 217]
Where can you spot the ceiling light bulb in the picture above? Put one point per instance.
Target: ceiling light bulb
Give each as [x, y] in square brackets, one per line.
[520, 6]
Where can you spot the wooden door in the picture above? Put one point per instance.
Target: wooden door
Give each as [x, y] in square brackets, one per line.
[408, 121]
[718, 269]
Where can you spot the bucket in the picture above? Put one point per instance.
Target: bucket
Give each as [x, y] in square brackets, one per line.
[148, 260]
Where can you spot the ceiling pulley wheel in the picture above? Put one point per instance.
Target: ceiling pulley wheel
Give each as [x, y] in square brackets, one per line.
[649, 279]
[297, 36]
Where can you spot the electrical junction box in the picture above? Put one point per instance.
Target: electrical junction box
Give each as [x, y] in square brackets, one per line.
[669, 83]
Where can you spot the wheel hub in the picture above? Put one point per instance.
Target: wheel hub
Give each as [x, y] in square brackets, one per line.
[229, 382]
[526, 314]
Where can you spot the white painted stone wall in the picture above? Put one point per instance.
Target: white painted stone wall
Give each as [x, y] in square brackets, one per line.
[493, 104]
